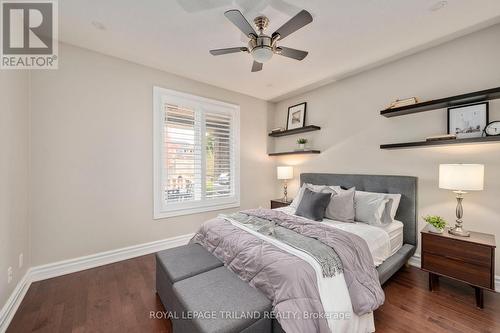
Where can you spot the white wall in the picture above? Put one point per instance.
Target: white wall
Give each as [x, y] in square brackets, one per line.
[14, 157]
[352, 128]
[92, 155]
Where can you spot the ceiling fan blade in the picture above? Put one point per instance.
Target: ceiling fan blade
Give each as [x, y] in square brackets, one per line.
[256, 67]
[303, 18]
[292, 53]
[228, 50]
[240, 21]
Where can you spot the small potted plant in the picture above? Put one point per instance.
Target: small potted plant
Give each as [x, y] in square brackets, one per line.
[302, 143]
[436, 224]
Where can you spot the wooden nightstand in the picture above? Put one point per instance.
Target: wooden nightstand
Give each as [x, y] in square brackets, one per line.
[277, 203]
[466, 259]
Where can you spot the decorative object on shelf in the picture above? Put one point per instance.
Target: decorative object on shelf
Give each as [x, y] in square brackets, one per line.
[302, 143]
[285, 173]
[296, 116]
[277, 130]
[403, 102]
[492, 129]
[442, 103]
[468, 121]
[436, 224]
[460, 178]
[441, 137]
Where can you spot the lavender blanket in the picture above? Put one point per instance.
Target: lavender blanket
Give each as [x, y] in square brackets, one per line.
[287, 280]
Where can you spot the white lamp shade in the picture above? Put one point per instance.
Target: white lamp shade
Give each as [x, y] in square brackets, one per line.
[461, 177]
[285, 172]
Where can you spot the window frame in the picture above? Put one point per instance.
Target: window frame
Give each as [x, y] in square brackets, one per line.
[160, 209]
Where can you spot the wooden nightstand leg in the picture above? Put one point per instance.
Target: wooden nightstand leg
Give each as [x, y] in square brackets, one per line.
[479, 297]
[433, 281]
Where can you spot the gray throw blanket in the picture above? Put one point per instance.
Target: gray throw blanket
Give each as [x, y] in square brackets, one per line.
[325, 255]
[287, 280]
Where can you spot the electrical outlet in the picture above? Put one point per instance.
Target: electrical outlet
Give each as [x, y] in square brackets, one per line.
[9, 275]
[21, 260]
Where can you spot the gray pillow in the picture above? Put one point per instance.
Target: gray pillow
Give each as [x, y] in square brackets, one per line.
[313, 205]
[341, 207]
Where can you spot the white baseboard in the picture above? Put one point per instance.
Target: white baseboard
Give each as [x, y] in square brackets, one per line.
[415, 261]
[59, 268]
[15, 299]
[64, 267]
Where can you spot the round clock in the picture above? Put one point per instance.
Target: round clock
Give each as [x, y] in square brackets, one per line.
[492, 128]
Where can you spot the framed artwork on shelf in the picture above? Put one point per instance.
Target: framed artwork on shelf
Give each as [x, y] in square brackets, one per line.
[296, 116]
[468, 121]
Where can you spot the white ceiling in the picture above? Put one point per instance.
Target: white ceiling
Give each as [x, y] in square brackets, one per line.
[346, 36]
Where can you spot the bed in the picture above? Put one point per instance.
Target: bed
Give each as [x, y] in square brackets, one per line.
[406, 214]
[295, 279]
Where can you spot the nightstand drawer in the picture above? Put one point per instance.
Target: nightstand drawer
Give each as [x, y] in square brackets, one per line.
[467, 272]
[462, 251]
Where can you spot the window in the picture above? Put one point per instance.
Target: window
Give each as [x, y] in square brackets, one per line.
[196, 154]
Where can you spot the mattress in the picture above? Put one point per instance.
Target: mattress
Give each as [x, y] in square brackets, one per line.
[383, 241]
[395, 231]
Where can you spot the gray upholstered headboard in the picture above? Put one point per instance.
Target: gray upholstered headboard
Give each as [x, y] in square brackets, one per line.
[404, 185]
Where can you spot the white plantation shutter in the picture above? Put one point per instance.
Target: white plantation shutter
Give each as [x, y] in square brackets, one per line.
[196, 154]
[219, 155]
[182, 155]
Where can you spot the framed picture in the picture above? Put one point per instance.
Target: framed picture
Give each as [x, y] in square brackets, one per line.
[468, 121]
[296, 116]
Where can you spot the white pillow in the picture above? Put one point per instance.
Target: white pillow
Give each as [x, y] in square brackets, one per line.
[395, 199]
[369, 208]
[314, 188]
[368, 205]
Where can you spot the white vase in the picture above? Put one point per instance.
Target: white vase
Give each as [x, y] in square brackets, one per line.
[435, 230]
[302, 146]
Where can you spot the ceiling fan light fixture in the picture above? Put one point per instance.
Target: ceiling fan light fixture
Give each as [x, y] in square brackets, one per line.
[261, 45]
[262, 53]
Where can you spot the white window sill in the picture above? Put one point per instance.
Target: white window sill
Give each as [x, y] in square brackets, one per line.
[195, 210]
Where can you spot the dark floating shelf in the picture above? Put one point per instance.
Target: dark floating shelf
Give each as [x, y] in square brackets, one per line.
[422, 144]
[295, 152]
[478, 96]
[304, 129]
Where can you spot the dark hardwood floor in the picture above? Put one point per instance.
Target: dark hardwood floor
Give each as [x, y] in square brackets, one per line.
[120, 296]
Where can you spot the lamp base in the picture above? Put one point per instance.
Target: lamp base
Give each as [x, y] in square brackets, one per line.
[459, 231]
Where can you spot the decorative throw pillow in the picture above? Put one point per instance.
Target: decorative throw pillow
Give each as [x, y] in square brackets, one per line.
[313, 205]
[341, 207]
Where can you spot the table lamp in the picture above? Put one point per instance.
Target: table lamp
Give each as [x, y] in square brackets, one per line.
[460, 178]
[285, 173]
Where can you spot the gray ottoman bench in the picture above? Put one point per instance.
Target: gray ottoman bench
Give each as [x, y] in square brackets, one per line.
[185, 261]
[205, 297]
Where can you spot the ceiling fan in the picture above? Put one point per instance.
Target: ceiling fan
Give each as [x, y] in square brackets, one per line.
[261, 46]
